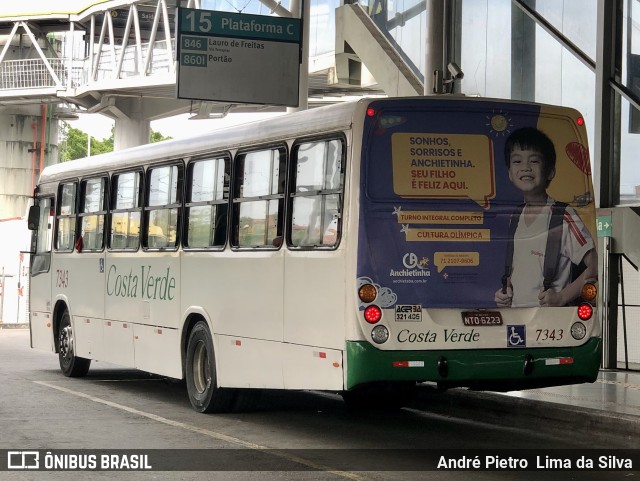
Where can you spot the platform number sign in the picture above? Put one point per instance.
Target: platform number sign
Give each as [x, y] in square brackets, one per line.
[241, 58]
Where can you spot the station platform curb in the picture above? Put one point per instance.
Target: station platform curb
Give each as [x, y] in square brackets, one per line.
[606, 428]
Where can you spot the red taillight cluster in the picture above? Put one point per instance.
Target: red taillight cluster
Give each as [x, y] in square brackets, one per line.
[589, 294]
[372, 314]
[367, 294]
[585, 311]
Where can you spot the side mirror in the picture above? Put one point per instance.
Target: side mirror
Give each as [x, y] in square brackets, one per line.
[33, 221]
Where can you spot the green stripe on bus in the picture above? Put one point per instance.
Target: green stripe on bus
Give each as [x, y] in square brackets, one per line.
[366, 364]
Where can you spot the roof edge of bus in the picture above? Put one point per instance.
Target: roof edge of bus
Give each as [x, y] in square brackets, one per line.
[320, 119]
[332, 117]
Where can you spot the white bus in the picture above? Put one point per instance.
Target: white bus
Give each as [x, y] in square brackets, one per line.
[358, 248]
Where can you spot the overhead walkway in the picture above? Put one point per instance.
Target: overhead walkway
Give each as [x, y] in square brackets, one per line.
[115, 58]
[118, 59]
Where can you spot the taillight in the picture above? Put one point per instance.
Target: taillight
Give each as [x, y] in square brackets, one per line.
[585, 311]
[367, 293]
[372, 314]
[578, 331]
[589, 291]
[380, 334]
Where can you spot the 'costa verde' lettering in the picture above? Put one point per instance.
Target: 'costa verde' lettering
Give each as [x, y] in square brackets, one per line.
[143, 285]
[450, 336]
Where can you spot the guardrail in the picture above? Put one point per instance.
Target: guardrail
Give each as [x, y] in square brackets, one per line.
[132, 63]
[33, 73]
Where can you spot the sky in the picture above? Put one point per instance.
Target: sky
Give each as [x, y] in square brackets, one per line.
[99, 126]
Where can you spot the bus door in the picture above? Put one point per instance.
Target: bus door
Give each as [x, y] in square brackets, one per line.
[142, 289]
[78, 265]
[40, 273]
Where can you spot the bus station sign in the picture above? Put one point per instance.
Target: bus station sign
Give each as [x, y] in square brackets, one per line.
[604, 222]
[243, 58]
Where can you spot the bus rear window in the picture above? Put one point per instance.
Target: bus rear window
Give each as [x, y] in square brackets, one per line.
[459, 157]
[464, 201]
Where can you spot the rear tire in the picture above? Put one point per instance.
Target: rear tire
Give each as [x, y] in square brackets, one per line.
[70, 364]
[200, 370]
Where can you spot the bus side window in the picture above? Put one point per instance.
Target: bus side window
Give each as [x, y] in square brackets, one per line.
[41, 259]
[66, 217]
[92, 214]
[316, 197]
[125, 211]
[258, 202]
[207, 203]
[162, 207]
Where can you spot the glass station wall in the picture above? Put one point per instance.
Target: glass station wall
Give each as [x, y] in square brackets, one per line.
[322, 29]
[489, 35]
[630, 116]
[494, 31]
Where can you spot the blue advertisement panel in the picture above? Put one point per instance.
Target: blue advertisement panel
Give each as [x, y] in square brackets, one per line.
[458, 199]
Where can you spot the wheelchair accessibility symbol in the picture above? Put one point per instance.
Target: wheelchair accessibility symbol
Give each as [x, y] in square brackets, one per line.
[516, 336]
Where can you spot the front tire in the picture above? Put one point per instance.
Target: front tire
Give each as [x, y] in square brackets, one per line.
[200, 370]
[70, 364]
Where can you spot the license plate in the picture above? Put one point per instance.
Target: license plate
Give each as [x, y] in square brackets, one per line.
[481, 318]
[408, 312]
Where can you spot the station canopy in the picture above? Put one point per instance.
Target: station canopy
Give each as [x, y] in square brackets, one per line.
[45, 8]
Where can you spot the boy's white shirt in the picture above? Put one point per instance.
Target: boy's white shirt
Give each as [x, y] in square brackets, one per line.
[529, 249]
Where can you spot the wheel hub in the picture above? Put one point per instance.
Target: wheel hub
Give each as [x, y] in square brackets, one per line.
[66, 342]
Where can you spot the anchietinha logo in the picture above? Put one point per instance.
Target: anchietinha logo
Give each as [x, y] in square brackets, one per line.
[413, 267]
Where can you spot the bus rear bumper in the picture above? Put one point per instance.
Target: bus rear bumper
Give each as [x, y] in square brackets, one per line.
[489, 369]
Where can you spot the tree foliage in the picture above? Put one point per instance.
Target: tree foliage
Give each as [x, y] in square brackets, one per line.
[75, 143]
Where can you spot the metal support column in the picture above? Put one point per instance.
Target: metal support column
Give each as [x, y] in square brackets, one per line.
[303, 9]
[607, 172]
[609, 265]
[434, 48]
[523, 54]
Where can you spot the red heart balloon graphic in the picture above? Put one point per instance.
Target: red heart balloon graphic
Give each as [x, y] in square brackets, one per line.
[579, 155]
